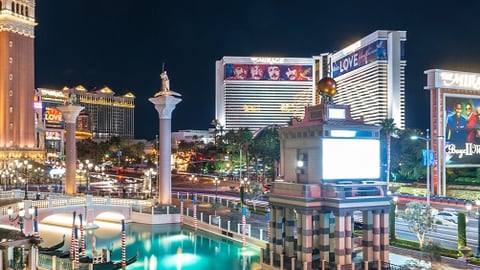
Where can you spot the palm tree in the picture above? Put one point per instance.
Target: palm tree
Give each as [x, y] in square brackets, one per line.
[388, 129]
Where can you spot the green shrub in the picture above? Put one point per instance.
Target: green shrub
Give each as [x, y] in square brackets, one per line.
[462, 233]
[407, 244]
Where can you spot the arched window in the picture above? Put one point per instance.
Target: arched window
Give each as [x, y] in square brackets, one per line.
[13, 7]
[17, 8]
[21, 10]
[1, 5]
[26, 11]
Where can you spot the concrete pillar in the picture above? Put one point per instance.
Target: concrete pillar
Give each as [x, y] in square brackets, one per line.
[384, 236]
[289, 232]
[316, 231]
[32, 258]
[307, 240]
[348, 239]
[278, 230]
[339, 240]
[367, 239]
[324, 236]
[165, 102]
[70, 114]
[28, 221]
[376, 236]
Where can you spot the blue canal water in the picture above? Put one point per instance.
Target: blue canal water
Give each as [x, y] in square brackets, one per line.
[161, 246]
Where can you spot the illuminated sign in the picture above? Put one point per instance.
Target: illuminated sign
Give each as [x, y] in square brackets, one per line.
[336, 113]
[460, 80]
[251, 108]
[374, 51]
[37, 105]
[267, 60]
[462, 131]
[52, 93]
[268, 72]
[53, 135]
[52, 117]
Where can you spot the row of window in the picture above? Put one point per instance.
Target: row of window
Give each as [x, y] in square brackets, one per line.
[17, 8]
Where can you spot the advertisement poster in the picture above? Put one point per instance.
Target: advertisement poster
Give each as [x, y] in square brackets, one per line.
[372, 52]
[462, 131]
[52, 116]
[271, 72]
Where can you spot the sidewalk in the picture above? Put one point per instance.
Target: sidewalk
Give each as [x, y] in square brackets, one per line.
[400, 256]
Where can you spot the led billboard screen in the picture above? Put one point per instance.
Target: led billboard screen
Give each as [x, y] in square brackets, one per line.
[350, 158]
[52, 116]
[270, 72]
[462, 131]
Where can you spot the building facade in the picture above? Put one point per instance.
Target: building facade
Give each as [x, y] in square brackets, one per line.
[105, 116]
[111, 115]
[254, 92]
[370, 76]
[454, 123]
[17, 129]
[330, 168]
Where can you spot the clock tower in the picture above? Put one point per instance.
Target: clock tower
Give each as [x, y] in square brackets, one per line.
[17, 119]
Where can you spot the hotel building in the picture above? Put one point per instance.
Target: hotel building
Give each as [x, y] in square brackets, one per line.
[254, 92]
[105, 115]
[370, 76]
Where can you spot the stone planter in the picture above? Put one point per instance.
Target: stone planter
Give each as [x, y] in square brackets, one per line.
[465, 250]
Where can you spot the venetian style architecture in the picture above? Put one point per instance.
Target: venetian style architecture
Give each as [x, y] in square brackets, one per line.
[330, 168]
[17, 128]
[165, 101]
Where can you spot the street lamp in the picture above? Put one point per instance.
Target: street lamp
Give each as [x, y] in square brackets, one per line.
[427, 159]
[89, 168]
[477, 202]
[216, 182]
[21, 215]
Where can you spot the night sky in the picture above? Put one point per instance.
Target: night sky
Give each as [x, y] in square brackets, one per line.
[122, 44]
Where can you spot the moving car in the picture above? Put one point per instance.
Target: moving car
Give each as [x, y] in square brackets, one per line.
[448, 216]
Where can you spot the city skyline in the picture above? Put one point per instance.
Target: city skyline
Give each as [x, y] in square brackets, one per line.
[124, 46]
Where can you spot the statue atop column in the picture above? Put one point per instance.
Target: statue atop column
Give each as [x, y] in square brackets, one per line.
[165, 81]
[165, 91]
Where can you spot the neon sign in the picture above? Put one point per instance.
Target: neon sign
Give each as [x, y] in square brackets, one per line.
[460, 80]
[267, 60]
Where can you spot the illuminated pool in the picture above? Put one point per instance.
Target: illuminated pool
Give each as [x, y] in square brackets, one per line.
[162, 246]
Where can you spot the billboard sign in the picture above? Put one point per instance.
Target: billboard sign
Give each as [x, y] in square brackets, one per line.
[52, 116]
[268, 72]
[462, 131]
[370, 53]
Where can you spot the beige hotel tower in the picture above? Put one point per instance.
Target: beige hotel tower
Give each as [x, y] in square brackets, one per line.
[17, 126]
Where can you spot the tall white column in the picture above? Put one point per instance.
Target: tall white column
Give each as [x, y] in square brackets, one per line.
[70, 114]
[165, 102]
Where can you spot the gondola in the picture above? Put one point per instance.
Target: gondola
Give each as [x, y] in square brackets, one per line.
[52, 248]
[108, 265]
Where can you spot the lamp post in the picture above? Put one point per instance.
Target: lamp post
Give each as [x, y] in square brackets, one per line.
[89, 168]
[427, 159]
[28, 167]
[477, 202]
[216, 182]
[21, 216]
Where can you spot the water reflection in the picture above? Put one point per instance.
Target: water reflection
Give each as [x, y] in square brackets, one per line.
[160, 246]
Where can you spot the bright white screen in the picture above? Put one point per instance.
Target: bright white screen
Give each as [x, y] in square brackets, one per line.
[351, 159]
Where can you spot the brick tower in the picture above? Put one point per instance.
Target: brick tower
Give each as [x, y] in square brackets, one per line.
[17, 125]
